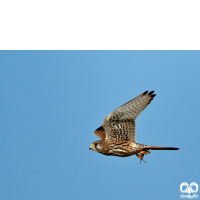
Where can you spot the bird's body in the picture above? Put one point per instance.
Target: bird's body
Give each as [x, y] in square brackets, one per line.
[117, 132]
[121, 148]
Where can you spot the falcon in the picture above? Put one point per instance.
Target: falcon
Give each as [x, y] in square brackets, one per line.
[117, 133]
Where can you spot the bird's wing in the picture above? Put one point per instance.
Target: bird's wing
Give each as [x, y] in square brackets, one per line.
[100, 132]
[120, 124]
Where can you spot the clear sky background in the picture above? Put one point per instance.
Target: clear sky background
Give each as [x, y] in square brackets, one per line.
[52, 101]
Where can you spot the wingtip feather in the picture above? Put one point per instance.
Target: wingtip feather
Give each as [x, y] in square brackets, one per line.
[145, 92]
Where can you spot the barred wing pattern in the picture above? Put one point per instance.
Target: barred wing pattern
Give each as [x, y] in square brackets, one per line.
[120, 124]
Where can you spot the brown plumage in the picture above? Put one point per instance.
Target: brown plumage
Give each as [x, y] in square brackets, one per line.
[117, 132]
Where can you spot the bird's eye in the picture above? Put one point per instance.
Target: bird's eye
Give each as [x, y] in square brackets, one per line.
[97, 146]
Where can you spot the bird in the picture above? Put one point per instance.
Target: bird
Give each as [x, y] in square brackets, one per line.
[117, 133]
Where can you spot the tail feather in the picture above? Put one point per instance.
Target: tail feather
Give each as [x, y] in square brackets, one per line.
[159, 148]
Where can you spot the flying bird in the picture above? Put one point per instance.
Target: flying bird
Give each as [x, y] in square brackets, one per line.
[117, 133]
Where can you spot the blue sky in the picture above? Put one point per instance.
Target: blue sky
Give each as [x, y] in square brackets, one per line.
[52, 101]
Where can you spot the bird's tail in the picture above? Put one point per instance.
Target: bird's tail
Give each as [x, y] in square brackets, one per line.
[159, 148]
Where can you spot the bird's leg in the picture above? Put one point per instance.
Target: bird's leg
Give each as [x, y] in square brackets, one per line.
[142, 160]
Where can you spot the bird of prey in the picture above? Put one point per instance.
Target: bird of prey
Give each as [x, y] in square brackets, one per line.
[117, 132]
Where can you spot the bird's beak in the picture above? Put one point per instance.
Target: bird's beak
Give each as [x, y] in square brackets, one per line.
[91, 146]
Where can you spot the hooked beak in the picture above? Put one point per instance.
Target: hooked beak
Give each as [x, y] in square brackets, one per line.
[91, 146]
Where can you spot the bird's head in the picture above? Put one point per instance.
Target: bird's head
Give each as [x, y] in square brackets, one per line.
[96, 146]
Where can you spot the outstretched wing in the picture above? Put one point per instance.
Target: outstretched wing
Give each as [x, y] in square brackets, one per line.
[120, 124]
